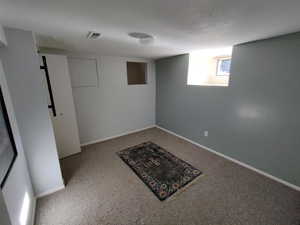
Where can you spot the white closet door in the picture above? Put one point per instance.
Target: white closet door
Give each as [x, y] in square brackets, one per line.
[64, 123]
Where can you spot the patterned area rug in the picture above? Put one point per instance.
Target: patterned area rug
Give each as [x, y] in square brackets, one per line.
[161, 171]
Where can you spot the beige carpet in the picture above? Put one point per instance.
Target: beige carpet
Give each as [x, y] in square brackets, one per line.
[102, 190]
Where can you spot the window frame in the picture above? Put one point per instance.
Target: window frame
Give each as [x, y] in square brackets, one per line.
[218, 64]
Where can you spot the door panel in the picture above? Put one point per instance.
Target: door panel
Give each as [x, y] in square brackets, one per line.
[64, 123]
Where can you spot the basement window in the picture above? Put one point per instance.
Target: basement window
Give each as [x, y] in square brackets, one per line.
[136, 73]
[223, 66]
[209, 67]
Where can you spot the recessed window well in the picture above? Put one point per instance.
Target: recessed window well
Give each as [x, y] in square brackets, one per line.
[209, 67]
[136, 73]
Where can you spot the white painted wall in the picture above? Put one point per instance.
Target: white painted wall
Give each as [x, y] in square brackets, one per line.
[18, 183]
[114, 108]
[24, 81]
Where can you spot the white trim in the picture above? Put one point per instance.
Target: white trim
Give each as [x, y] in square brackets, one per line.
[293, 186]
[116, 136]
[33, 209]
[49, 192]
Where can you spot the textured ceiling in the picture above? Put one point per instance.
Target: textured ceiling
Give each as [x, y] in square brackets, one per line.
[177, 25]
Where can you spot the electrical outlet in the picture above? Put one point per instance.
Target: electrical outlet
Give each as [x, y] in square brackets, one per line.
[206, 133]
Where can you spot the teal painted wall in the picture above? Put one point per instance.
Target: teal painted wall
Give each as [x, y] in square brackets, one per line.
[255, 120]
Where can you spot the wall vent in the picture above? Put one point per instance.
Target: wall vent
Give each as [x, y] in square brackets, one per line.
[93, 35]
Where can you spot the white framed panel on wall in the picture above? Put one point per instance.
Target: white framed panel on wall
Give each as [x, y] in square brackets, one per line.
[83, 72]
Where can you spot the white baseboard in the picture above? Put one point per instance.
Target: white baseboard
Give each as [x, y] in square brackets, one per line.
[116, 136]
[293, 186]
[49, 192]
[33, 209]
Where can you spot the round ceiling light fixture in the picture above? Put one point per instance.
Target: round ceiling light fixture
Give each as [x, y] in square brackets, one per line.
[143, 38]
